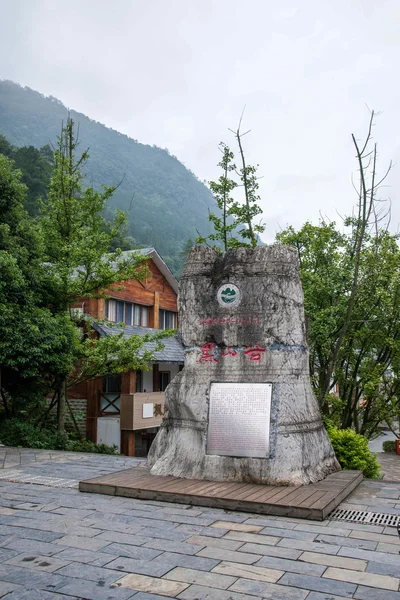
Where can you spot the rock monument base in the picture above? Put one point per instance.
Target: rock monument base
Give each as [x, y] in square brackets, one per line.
[243, 409]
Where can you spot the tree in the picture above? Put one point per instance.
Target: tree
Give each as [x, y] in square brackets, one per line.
[76, 241]
[351, 286]
[34, 343]
[234, 218]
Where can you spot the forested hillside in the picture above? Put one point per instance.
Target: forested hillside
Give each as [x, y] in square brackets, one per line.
[167, 203]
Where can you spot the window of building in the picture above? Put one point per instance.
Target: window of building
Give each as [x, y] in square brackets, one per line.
[129, 313]
[139, 381]
[165, 378]
[167, 319]
[110, 398]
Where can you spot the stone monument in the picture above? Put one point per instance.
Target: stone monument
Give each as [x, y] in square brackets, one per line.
[243, 409]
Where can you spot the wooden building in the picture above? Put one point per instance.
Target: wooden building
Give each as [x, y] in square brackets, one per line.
[126, 410]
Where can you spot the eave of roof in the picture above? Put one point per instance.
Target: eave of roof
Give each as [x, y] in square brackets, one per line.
[172, 352]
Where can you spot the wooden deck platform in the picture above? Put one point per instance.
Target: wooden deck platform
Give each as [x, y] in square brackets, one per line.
[314, 501]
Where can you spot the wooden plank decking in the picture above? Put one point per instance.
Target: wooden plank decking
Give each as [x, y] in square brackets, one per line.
[314, 501]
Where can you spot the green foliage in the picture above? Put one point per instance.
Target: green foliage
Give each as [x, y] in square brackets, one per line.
[19, 433]
[36, 167]
[34, 343]
[389, 446]
[366, 367]
[166, 203]
[352, 452]
[236, 218]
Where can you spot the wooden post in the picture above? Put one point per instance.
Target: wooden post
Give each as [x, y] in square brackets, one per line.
[128, 386]
[127, 442]
[94, 387]
[156, 309]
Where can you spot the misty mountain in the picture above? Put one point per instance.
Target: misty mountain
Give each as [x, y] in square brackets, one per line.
[167, 204]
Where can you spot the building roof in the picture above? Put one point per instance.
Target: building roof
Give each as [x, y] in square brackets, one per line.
[158, 261]
[173, 349]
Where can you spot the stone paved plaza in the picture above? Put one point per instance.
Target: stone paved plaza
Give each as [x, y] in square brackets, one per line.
[57, 543]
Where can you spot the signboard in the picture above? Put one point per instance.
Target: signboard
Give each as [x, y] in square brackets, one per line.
[239, 418]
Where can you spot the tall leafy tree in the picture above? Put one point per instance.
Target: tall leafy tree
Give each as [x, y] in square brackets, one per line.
[34, 343]
[76, 240]
[234, 225]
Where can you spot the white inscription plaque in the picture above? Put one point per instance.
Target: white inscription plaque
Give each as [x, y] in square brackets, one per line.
[239, 419]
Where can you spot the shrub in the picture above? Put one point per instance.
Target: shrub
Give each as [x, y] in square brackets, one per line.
[352, 452]
[14, 432]
[389, 446]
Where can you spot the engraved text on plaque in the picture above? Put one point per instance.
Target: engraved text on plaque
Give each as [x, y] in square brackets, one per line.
[239, 419]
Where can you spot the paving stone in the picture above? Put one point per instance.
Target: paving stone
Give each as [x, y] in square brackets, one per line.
[214, 580]
[383, 569]
[248, 572]
[317, 584]
[198, 592]
[375, 537]
[353, 564]
[197, 530]
[142, 567]
[362, 578]
[266, 550]
[6, 588]
[326, 596]
[40, 563]
[323, 529]
[34, 547]
[86, 543]
[164, 534]
[271, 591]
[311, 546]
[145, 596]
[214, 542]
[138, 552]
[142, 583]
[273, 522]
[173, 546]
[123, 538]
[293, 566]
[90, 590]
[392, 559]
[169, 560]
[357, 526]
[252, 538]
[31, 579]
[98, 559]
[247, 528]
[36, 595]
[390, 548]
[288, 533]
[347, 541]
[29, 534]
[221, 554]
[90, 572]
[368, 593]
[6, 553]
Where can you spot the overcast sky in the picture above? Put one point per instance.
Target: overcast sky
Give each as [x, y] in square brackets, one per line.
[177, 73]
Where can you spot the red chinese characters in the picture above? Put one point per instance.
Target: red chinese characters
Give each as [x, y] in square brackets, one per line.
[254, 352]
[207, 353]
[228, 352]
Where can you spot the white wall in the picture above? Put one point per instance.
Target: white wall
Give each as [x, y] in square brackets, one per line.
[108, 431]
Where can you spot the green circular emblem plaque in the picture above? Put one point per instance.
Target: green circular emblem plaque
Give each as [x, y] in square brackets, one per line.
[229, 295]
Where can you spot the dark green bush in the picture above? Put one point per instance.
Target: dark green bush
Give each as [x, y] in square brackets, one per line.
[14, 432]
[352, 452]
[389, 446]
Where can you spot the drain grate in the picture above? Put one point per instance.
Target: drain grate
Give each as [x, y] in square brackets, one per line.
[370, 518]
[18, 477]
